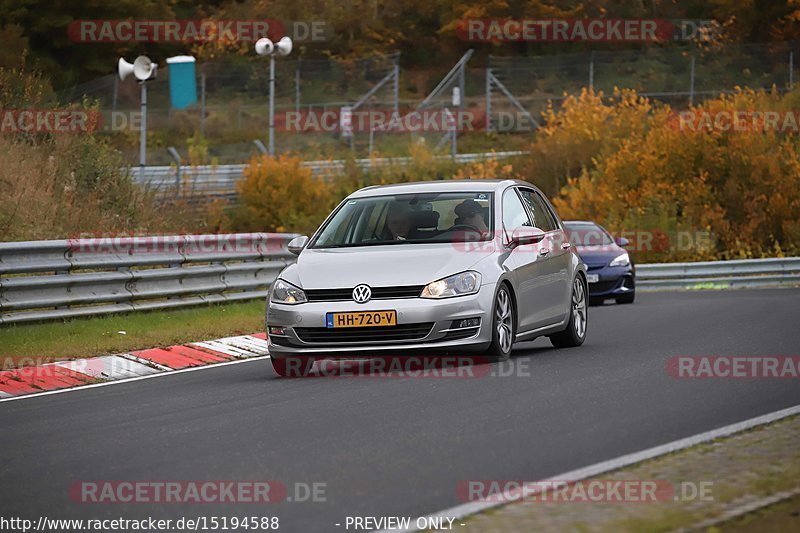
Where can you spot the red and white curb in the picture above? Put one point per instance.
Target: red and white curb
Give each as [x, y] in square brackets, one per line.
[68, 374]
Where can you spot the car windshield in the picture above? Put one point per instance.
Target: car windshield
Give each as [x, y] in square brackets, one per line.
[588, 235]
[409, 219]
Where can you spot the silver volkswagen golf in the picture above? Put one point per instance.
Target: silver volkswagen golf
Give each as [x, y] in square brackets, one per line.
[447, 266]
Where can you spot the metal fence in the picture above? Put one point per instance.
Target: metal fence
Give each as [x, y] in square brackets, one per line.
[220, 180]
[744, 273]
[233, 110]
[232, 106]
[43, 280]
[679, 76]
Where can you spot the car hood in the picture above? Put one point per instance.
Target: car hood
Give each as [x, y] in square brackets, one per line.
[385, 266]
[599, 255]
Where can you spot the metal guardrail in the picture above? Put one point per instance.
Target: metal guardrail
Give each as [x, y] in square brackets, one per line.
[743, 273]
[42, 280]
[220, 180]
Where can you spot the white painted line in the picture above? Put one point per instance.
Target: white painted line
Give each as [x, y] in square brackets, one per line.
[261, 343]
[223, 348]
[247, 342]
[129, 380]
[466, 509]
[242, 343]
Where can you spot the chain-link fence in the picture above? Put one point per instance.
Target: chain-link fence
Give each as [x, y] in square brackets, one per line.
[677, 76]
[232, 111]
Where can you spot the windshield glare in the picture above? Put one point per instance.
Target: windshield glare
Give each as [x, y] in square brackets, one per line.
[409, 218]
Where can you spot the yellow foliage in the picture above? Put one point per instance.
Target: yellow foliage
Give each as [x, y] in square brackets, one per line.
[741, 186]
[279, 194]
[487, 169]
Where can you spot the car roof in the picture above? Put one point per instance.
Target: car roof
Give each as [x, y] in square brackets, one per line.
[581, 223]
[438, 186]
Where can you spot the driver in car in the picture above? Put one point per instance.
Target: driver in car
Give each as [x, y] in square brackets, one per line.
[470, 213]
[398, 222]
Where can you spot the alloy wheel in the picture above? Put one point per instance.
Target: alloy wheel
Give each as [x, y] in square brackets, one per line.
[504, 320]
[579, 307]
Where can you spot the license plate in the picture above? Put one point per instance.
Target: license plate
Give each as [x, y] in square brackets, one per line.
[592, 278]
[361, 319]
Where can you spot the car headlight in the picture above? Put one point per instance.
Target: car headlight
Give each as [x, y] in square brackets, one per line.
[456, 285]
[620, 261]
[284, 292]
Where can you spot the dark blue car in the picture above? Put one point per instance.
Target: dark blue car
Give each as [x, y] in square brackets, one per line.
[610, 270]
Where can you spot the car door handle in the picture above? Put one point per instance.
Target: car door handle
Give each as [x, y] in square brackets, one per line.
[544, 251]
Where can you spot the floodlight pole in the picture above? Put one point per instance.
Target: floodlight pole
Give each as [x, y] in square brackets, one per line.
[265, 47]
[272, 104]
[143, 130]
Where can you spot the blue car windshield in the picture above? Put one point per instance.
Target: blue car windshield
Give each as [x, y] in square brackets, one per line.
[588, 235]
[409, 219]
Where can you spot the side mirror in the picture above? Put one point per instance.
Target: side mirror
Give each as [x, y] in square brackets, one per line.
[297, 244]
[526, 235]
[621, 241]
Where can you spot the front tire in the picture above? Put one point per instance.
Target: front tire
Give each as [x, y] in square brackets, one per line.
[503, 326]
[292, 366]
[575, 333]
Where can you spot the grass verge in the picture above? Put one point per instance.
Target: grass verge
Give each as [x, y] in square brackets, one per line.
[28, 344]
[739, 471]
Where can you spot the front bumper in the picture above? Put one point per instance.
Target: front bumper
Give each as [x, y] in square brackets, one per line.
[439, 313]
[612, 281]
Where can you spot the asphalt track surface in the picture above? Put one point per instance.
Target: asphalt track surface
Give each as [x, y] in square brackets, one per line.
[399, 447]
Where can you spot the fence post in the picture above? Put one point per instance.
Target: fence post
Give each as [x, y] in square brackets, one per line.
[114, 100]
[297, 88]
[202, 104]
[691, 83]
[396, 88]
[177, 157]
[489, 95]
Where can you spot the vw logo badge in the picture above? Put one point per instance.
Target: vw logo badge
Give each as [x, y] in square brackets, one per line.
[362, 293]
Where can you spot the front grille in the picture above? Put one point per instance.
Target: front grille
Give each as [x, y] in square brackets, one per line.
[376, 335]
[378, 293]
